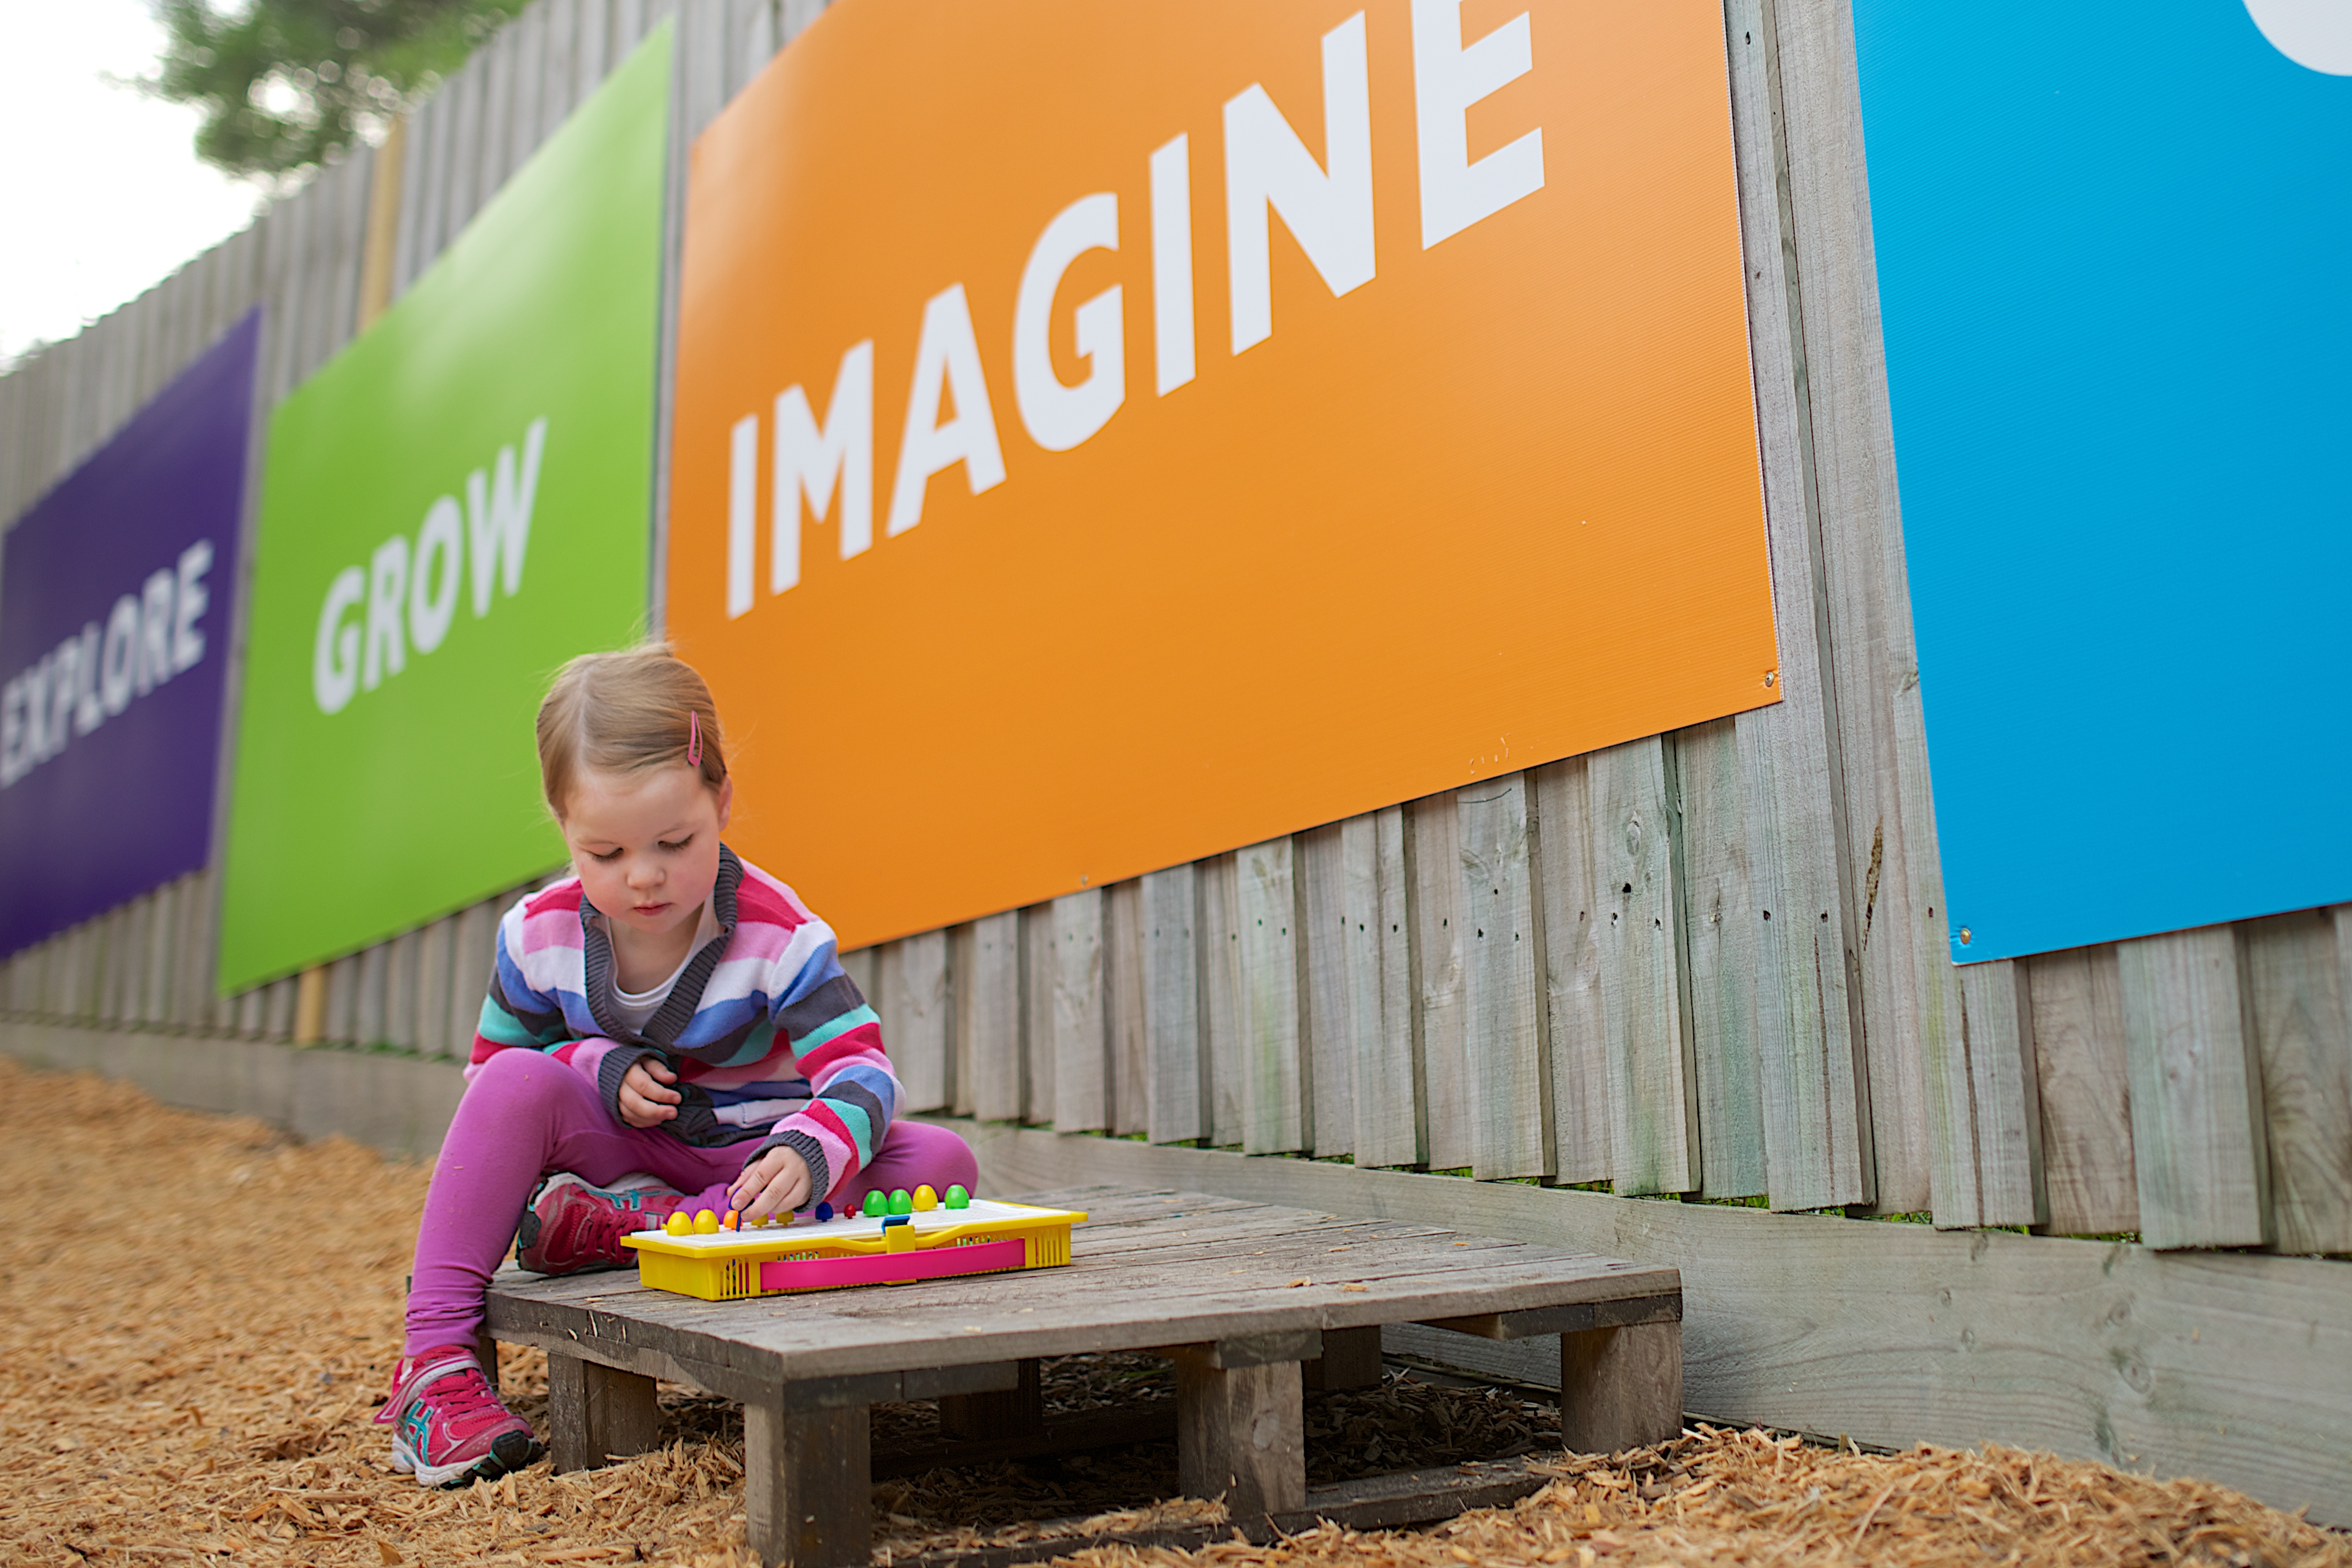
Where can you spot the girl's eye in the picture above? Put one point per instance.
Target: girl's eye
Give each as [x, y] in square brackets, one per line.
[607, 855]
[681, 843]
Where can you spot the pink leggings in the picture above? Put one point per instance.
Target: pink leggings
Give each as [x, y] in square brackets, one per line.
[526, 1116]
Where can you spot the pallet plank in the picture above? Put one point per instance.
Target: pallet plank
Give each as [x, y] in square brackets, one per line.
[1997, 1021]
[1039, 1058]
[913, 979]
[1221, 996]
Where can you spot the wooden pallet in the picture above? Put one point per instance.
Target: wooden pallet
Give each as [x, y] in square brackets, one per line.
[1251, 1302]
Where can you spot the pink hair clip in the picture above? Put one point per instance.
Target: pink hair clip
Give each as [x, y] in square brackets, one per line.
[693, 738]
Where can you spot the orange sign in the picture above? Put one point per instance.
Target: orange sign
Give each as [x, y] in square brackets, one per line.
[1110, 433]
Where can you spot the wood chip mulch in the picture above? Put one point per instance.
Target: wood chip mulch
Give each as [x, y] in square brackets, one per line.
[197, 1316]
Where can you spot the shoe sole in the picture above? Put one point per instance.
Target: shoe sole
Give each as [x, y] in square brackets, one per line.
[488, 1468]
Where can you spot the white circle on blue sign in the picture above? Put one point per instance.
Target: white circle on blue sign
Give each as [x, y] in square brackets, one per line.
[2313, 33]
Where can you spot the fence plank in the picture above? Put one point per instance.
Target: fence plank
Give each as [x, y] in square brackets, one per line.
[473, 952]
[527, 84]
[1081, 1040]
[2080, 1055]
[2294, 972]
[430, 993]
[988, 992]
[919, 1026]
[1432, 918]
[1037, 1055]
[1172, 1007]
[1816, 1117]
[2196, 1096]
[157, 954]
[368, 1018]
[959, 978]
[1123, 1000]
[1578, 1026]
[400, 972]
[1321, 861]
[1997, 1021]
[1501, 942]
[1221, 993]
[1274, 1088]
[592, 48]
[559, 79]
[1377, 977]
[1719, 926]
[277, 1010]
[1652, 1083]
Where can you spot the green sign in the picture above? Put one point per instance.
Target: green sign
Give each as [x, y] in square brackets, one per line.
[451, 508]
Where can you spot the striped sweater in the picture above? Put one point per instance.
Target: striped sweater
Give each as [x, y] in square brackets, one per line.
[771, 1040]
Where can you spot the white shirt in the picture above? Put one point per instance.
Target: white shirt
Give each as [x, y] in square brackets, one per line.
[637, 1008]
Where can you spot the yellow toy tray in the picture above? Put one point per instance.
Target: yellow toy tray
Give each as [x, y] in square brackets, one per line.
[985, 1237]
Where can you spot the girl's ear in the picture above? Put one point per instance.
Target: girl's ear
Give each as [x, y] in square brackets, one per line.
[726, 800]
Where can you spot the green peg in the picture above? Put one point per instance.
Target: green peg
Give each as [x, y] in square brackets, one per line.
[958, 1198]
[902, 1202]
[875, 1204]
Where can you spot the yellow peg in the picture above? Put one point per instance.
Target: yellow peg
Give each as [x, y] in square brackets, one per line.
[925, 1199]
[706, 1224]
[677, 1224]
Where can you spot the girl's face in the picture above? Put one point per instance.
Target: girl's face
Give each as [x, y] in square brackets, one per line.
[646, 843]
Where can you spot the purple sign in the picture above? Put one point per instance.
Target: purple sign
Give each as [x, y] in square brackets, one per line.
[115, 592]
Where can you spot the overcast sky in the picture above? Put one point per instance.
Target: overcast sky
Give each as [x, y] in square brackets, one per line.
[100, 194]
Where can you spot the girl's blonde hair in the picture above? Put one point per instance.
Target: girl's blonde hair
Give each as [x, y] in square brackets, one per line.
[623, 712]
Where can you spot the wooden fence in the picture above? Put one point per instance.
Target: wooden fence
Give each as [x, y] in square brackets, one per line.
[1711, 964]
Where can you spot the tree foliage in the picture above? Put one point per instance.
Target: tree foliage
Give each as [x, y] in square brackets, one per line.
[284, 83]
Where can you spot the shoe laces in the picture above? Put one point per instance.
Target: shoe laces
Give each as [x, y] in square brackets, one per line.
[601, 1236]
[463, 1398]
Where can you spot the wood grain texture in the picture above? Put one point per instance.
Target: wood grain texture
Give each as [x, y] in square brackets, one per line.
[1038, 1057]
[1808, 1020]
[1719, 950]
[988, 994]
[1652, 1082]
[1433, 847]
[2294, 971]
[2196, 1091]
[1123, 1004]
[2231, 1367]
[963, 950]
[400, 991]
[1378, 973]
[807, 1484]
[1220, 991]
[1620, 1387]
[912, 976]
[1997, 1019]
[1241, 1435]
[598, 1413]
[1176, 1067]
[432, 992]
[1081, 1020]
[1579, 1031]
[1326, 1017]
[2085, 1091]
[1501, 940]
[1273, 1066]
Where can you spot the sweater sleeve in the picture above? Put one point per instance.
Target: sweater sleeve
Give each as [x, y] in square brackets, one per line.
[516, 1018]
[836, 1041]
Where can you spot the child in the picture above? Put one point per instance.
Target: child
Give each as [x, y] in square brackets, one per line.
[667, 1028]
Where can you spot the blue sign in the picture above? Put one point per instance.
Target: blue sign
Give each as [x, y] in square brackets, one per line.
[2114, 265]
[115, 598]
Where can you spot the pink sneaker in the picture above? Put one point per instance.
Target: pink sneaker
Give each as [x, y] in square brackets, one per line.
[572, 1227]
[447, 1425]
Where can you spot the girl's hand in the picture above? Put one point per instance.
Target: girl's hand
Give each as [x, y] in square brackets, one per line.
[778, 1182]
[643, 1101]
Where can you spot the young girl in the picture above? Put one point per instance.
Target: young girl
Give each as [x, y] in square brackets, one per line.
[669, 1026]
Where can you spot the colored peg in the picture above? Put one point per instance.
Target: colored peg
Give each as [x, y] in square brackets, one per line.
[902, 1202]
[677, 1224]
[958, 1198]
[824, 1212]
[926, 1200]
[706, 1224]
[877, 1202]
[731, 1222]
